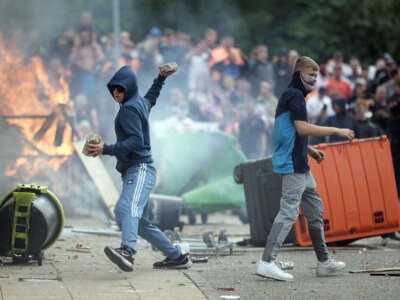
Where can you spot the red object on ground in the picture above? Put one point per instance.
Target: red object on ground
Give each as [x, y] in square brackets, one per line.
[226, 289]
[357, 185]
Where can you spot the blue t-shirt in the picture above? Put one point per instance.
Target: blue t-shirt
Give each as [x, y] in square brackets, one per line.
[290, 155]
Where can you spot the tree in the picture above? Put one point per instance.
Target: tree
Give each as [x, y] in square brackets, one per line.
[362, 28]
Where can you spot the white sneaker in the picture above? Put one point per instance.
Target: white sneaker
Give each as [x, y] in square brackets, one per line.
[329, 267]
[271, 270]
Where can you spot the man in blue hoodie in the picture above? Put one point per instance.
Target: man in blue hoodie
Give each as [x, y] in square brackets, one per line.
[135, 163]
[291, 131]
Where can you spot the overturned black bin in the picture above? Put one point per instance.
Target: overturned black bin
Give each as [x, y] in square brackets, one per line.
[263, 190]
[31, 220]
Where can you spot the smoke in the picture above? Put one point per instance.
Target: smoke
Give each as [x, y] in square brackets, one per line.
[45, 17]
[39, 22]
[192, 17]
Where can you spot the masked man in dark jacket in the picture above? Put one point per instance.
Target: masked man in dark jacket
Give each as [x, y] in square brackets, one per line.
[291, 131]
[135, 163]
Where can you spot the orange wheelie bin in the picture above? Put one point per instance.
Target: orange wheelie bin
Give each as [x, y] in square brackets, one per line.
[357, 185]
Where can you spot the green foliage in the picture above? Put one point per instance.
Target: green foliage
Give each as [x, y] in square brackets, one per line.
[362, 28]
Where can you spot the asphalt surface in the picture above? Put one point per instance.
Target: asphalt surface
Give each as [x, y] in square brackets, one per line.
[76, 268]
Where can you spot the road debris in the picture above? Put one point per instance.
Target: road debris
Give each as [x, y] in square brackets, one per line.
[376, 270]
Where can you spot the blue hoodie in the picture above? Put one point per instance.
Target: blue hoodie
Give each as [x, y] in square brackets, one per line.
[132, 120]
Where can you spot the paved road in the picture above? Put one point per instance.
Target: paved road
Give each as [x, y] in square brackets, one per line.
[69, 273]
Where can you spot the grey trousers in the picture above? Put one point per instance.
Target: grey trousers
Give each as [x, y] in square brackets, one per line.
[297, 189]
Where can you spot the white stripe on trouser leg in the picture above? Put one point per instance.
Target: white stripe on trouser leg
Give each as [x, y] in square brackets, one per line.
[138, 190]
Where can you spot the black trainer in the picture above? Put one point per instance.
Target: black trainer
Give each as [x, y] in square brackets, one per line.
[182, 262]
[121, 257]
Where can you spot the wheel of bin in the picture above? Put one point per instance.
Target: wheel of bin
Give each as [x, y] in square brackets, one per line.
[204, 218]
[39, 258]
[20, 259]
[237, 174]
[192, 217]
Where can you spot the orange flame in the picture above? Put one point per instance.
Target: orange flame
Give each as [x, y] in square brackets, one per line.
[34, 102]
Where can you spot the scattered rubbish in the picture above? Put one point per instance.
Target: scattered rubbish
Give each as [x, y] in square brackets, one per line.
[362, 251]
[376, 270]
[229, 289]
[208, 244]
[79, 249]
[229, 297]
[80, 246]
[222, 237]
[285, 265]
[384, 274]
[199, 259]
[208, 239]
[33, 279]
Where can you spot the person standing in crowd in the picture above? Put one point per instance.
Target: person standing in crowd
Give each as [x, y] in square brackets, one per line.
[339, 83]
[355, 71]
[226, 60]
[149, 55]
[85, 59]
[319, 107]
[396, 94]
[359, 91]
[210, 38]
[383, 69]
[265, 107]
[135, 163]
[291, 131]
[340, 119]
[394, 137]
[293, 55]
[197, 64]
[61, 47]
[282, 71]
[337, 60]
[364, 128]
[260, 69]
[252, 132]
[323, 76]
[380, 108]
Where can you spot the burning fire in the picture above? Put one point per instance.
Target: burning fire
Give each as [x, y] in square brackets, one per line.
[39, 106]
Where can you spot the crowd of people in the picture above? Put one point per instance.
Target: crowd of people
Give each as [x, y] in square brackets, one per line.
[218, 83]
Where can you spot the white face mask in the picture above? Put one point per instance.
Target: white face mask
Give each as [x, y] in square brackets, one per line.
[308, 81]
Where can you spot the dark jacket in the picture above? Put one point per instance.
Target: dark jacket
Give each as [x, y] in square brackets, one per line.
[290, 155]
[261, 70]
[340, 120]
[132, 121]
